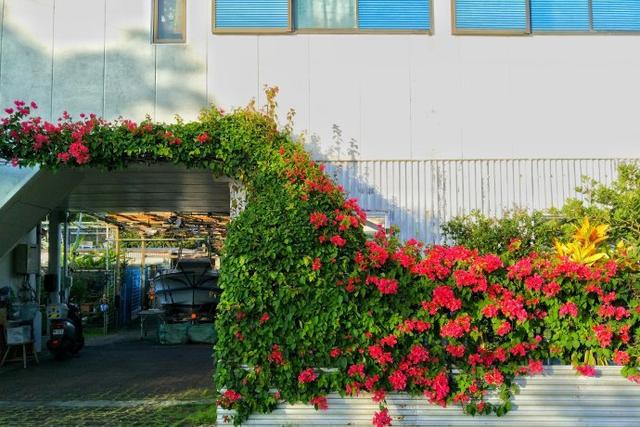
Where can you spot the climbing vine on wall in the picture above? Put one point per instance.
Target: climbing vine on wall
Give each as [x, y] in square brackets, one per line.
[310, 306]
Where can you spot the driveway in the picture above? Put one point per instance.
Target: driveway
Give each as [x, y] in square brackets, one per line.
[116, 380]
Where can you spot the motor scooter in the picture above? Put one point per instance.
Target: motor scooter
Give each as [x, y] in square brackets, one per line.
[66, 337]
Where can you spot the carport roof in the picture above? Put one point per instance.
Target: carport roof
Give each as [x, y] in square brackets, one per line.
[150, 188]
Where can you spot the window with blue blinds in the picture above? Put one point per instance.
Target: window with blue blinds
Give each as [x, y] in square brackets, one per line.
[252, 15]
[560, 15]
[491, 15]
[394, 15]
[616, 15]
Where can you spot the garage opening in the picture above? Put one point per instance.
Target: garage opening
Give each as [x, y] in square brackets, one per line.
[138, 252]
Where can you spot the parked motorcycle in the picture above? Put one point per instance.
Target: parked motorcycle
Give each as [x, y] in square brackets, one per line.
[66, 338]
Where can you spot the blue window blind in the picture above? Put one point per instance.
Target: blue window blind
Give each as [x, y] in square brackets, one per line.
[325, 14]
[560, 15]
[252, 14]
[394, 14]
[616, 15]
[501, 15]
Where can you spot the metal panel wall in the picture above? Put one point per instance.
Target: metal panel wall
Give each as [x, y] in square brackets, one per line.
[557, 398]
[421, 195]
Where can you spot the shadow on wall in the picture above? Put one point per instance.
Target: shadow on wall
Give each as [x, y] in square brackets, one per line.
[132, 78]
[363, 182]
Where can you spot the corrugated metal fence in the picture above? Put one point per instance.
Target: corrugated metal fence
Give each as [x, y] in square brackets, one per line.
[557, 398]
[421, 195]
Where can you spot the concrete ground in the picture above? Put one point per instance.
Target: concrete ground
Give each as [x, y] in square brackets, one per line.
[114, 381]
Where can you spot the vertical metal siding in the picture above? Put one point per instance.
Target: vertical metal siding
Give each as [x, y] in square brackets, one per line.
[394, 14]
[491, 14]
[560, 15]
[616, 15]
[557, 398]
[421, 195]
[252, 13]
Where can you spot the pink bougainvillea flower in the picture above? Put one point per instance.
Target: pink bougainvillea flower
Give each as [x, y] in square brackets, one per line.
[264, 319]
[15, 162]
[568, 309]
[387, 286]
[338, 241]
[335, 352]
[382, 418]
[356, 370]
[276, 355]
[604, 335]
[586, 370]
[455, 350]
[318, 219]
[551, 289]
[535, 367]
[203, 137]
[621, 357]
[389, 340]
[316, 265]
[64, 157]
[232, 395]
[307, 376]
[494, 377]
[398, 380]
[320, 403]
[457, 327]
[504, 328]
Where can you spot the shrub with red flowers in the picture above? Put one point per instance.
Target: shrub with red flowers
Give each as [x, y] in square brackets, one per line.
[310, 306]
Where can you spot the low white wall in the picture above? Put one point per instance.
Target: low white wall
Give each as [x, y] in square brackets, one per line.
[557, 398]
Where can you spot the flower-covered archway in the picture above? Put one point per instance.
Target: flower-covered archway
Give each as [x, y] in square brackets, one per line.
[311, 306]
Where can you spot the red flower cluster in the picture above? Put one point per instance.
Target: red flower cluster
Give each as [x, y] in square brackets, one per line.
[568, 309]
[457, 327]
[382, 418]
[276, 355]
[320, 402]
[307, 376]
[318, 219]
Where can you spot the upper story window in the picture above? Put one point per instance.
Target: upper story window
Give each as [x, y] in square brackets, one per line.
[545, 16]
[169, 21]
[285, 16]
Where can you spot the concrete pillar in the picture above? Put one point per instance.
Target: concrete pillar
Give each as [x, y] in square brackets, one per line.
[56, 218]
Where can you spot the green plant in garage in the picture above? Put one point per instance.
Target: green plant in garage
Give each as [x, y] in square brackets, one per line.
[311, 307]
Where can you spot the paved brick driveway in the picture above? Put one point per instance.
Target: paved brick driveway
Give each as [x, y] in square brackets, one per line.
[114, 381]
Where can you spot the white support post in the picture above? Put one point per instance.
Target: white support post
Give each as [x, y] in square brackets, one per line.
[56, 218]
[238, 198]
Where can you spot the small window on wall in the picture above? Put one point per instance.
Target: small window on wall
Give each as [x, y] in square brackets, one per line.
[169, 21]
[375, 220]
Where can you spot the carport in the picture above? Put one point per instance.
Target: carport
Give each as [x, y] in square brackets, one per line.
[163, 188]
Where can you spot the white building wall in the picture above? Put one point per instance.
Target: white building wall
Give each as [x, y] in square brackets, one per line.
[364, 97]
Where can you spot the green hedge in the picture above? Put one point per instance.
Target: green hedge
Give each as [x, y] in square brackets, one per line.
[304, 290]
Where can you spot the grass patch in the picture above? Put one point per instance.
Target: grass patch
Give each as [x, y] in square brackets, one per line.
[199, 415]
